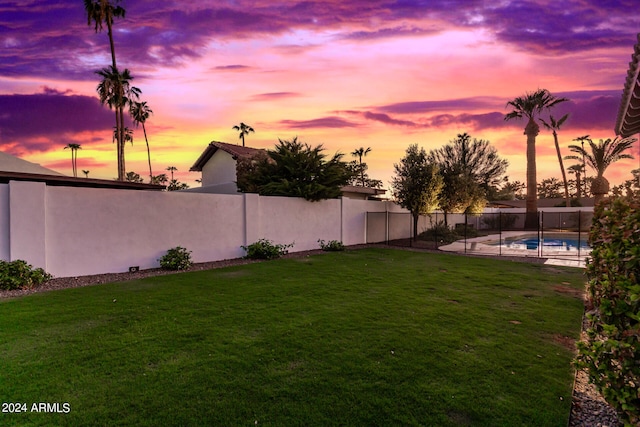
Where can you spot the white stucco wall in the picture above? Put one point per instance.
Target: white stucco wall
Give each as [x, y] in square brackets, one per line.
[92, 231]
[288, 219]
[4, 222]
[73, 231]
[220, 169]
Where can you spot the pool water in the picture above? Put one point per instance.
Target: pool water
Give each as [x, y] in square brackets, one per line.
[548, 242]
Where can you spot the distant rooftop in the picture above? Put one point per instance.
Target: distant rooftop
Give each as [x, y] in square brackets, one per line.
[235, 150]
[9, 163]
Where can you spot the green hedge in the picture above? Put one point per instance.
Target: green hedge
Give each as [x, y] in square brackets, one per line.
[612, 351]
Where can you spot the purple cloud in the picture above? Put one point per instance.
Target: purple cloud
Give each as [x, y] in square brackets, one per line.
[416, 107]
[234, 67]
[25, 120]
[324, 122]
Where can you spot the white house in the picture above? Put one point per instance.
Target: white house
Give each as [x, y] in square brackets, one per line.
[218, 166]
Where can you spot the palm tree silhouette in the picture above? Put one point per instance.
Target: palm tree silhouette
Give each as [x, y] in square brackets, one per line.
[74, 157]
[103, 11]
[529, 106]
[554, 127]
[244, 129]
[116, 92]
[171, 169]
[86, 173]
[599, 157]
[140, 112]
[359, 153]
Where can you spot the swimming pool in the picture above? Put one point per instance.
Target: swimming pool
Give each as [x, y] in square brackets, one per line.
[552, 241]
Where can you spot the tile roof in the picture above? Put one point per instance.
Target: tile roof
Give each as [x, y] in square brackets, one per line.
[628, 122]
[233, 149]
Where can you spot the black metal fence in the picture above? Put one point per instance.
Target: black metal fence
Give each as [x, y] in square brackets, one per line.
[553, 234]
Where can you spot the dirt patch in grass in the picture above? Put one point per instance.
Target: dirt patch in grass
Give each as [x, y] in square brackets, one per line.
[566, 290]
[567, 342]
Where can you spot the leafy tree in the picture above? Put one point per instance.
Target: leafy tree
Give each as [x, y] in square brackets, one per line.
[175, 185]
[244, 129]
[554, 125]
[530, 106]
[416, 184]
[140, 112]
[133, 177]
[116, 92]
[507, 190]
[549, 189]
[74, 157]
[629, 187]
[294, 169]
[360, 177]
[599, 156]
[359, 153]
[468, 168]
[161, 179]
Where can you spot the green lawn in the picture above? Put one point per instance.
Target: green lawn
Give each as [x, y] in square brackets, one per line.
[368, 337]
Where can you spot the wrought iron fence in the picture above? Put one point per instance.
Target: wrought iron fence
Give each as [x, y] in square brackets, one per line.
[562, 235]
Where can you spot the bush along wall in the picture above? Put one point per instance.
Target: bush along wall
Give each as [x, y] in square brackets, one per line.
[18, 274]
[612, 350]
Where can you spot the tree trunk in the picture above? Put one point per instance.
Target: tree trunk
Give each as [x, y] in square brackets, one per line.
[564, 175]
[148, 153]
[415, 226]
[531, 130]
[599, 188]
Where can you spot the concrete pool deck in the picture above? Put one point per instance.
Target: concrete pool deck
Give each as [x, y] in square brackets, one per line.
[555, 255]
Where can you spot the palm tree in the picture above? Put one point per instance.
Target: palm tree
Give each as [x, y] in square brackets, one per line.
[74, 157]
[529, 106]
[244, 130]
[86, 173]
[599, 157]
[116, 91]
[140, 112]
[554, 126]
[577, 170]
[103, 11]
[171, 169]
[359, 153]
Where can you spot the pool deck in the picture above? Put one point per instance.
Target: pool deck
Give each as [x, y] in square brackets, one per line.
[478, 245]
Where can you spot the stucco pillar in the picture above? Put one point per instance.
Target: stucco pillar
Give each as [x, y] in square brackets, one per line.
[27, 222]
[252, 216]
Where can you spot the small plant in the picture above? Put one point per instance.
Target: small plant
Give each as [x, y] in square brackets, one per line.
[265, 249]
[440, 233]
[331, 245]
[177, 258]
[20, 275]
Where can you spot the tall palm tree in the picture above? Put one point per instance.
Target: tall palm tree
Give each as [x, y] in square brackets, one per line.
[140, 112]
[103, 11]
[529, 106]
[554, 126]
[244, 129]
[74, 157]
[599, 156]
[116, 91]
[171, 169]
[577, 171]
[359, 153]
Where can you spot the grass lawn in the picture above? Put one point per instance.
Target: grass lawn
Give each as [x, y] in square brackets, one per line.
[368, 337]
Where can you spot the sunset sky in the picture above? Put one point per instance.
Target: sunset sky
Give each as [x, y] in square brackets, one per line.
[346, 74]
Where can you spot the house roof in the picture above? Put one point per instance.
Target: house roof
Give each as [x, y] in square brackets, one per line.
[69, 181]
[542, 203]
[9, 163]
[233, 149]
[628, 122]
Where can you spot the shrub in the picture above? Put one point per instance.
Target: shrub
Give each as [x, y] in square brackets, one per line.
[331, 245]
[20, 275]
[502, 221]
[440, 233]
[265, 249]
[177, 258]
[611, 351]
